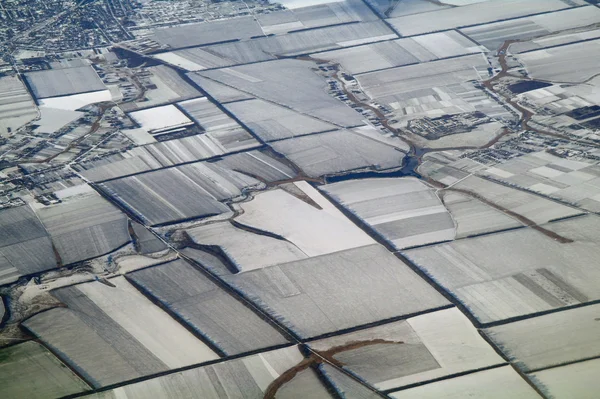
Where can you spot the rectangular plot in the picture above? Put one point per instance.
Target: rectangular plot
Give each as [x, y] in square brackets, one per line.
[211, 311]
[270, 121]
[551, 339]
[84, 227]
[404, 211]
[60, 82]
[537, 274]
[111, 333]
[410, 351]
[329, 291]
[473, 14]
[343, 150]
[248, 377]
[28, 370]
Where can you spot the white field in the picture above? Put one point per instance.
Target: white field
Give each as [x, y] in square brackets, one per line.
[540, 26]
[535, 208]
[536, 274]
[332, 153]
[292, 4]
[248, 251]
[575, 381]
[314, 231]
[177, 60]
[75, 101]
[160, 118]
[477, 13]
[16, 105]
[400, 52]
[556, 64]
[52, 119]
[139, 136]
[345, 289]
[153, 328]
[405, 211]
[499, 383]
[574, 181]
[550, 340]
[459, 348]
[553, 40]
[475, 217]
[249, 376]
[207, 114]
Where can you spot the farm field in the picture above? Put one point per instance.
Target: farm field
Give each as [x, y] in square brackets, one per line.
[572, 181]
[430, 89]
[264, 48]
[303, 15]
[530, 206]
[28, 370]
[16, 105]
[302, 216]
[25, 245]
[111, 333]
[550, 340]
[84, 226]
[250, 376]
[208, 309]
[494, 35]
[473, 217]
[61, 82]
[497, 383]
[271, 122]
[207, 115]
[246, 250]
[168, 153]
[409, 351]
[400, 52]
[173, 194]
[404, 211]
[555, 64]
[327, 293]
[273, 81]
[340, 151]
[577, 381]
[170, 195]
[536, 275]
[303, 199]
[146, 242]
[206, 32]
[473, 14]
[554, 40]
[73, 102]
